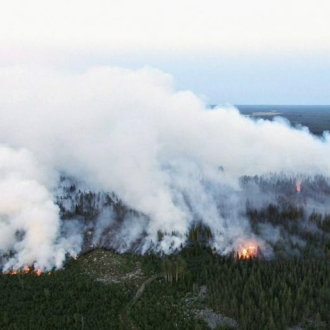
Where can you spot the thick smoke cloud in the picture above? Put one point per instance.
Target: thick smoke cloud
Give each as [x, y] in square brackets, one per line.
[29, 223]
[131, 132]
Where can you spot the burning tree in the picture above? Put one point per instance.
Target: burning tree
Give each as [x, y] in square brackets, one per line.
[247, 252]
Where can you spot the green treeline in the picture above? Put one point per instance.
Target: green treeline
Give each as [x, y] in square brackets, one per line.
[258, 294]
[164, 306]
[61, 300]
[262, 294]
[174, 268]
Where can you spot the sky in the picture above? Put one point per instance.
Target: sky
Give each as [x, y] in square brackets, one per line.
[236, 52]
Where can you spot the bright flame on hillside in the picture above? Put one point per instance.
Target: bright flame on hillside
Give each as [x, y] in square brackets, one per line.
[25, 270]
[298, 186]
[248, 252]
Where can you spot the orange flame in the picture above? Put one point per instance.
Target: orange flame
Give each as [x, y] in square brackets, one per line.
[298, 186]
[38, 272]
[25, 270]
[248, 252]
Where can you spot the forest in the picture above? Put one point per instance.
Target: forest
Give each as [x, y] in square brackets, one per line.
[252, 293]
[194, 287]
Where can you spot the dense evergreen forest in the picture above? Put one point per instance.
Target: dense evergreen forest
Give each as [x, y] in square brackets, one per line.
[194, 288]
[64, 299]
[257, 294]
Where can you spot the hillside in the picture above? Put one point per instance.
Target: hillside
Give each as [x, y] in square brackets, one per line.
[102, 289]
[276, 275]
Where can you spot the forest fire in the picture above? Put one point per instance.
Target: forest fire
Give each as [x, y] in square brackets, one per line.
[248, 252]
[298, 186]
[38, 272]
[25, 270]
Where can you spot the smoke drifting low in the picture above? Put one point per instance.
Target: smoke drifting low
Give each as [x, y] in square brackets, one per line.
[161, 151]
[29, 226]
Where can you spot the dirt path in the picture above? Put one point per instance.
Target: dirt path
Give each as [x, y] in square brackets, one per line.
[124, 315]
[142, 288]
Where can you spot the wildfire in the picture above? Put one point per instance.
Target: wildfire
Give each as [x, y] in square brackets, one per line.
[25, 270]
[248, 252]
[298, 186]
[38, 272]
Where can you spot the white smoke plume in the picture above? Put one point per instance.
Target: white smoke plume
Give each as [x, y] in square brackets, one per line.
[29, 222]
[133, 133]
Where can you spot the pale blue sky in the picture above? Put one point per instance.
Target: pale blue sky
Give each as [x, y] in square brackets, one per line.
[239, 52]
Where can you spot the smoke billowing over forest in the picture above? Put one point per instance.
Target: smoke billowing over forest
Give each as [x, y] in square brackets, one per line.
[119, 158]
